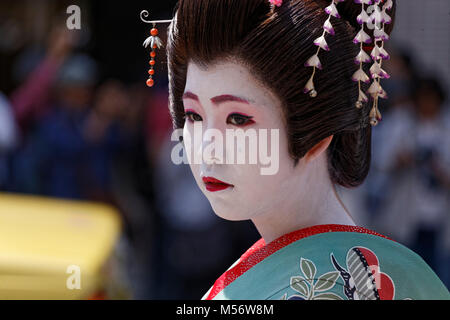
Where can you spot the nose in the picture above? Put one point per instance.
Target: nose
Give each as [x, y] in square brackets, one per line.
[208, 142]
[212, 147]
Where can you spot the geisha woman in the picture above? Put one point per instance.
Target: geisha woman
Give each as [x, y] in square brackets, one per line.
[312, 71]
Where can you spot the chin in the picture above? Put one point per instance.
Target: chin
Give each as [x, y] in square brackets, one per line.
[227, 211]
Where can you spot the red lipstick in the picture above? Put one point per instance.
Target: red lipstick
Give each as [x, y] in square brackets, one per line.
[213, 184]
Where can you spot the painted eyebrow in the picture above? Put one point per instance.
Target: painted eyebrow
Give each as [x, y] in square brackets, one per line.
[217, 100]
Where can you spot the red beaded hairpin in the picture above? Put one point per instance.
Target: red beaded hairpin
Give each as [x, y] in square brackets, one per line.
[154, 42]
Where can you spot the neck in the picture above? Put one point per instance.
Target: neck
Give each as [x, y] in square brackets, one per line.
[319, 205]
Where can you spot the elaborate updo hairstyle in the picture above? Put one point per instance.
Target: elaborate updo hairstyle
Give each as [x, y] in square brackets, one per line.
[274, 45]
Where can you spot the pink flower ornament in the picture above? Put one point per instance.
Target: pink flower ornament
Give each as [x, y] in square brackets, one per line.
[277, 3]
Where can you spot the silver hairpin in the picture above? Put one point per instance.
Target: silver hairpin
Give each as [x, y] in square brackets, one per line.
[145, 13]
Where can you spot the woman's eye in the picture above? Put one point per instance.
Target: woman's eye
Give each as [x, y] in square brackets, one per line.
[192, 116]
[240, 120]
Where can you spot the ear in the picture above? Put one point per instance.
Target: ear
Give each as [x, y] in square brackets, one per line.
[317, 150]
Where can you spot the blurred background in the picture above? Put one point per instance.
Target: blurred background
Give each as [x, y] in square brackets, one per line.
[85, 146]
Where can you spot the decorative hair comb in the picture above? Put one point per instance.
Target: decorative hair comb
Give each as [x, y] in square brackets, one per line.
[154, 42]
[378, 19]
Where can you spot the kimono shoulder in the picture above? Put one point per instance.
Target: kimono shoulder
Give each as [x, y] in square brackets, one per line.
[339, 263]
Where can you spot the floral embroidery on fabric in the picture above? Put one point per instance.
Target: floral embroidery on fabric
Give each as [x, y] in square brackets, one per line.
[260, 251]
[362, 277]
[311, 288]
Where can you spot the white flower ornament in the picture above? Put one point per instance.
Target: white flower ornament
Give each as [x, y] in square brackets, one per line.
[321, 43]
[375, 55]
[379, 17]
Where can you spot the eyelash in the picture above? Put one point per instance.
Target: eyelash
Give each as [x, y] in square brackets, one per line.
[248, 120]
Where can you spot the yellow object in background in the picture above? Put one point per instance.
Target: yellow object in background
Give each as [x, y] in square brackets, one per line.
[50, 247]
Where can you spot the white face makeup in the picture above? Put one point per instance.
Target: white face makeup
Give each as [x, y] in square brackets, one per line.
[227, 96]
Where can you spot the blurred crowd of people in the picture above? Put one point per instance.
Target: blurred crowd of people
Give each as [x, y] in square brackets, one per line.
[65, 132]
